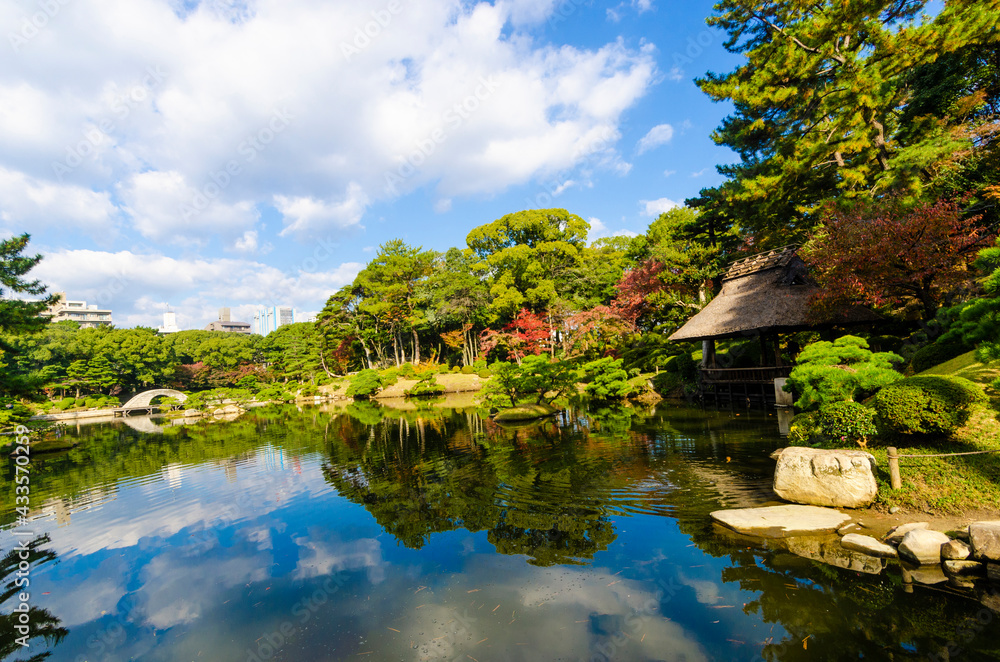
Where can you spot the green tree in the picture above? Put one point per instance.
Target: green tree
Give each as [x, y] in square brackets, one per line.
[821, 100]
[458, 297]
[18, 317]
[536, 378]
[532, 256]
[606, 380]
[137, 357]
[296, 351]
[828, 372]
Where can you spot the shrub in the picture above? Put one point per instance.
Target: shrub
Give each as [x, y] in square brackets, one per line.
[684, 366]
[803, 431]
[937, 353]
[65, 403]
[665, 383]
[842, 370]
[364, 384]
[468, 370]
[426, 386]
[406, 370]
[92, 402]
[13, 413]
[846, 422]
[606, 380]
[886, 343]
[444, 369]
[931, 405]
[307, 391]
[456, 369]
[485, 373]
[479, 365]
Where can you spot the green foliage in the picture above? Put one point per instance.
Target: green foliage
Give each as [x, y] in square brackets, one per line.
[444, 369]
[406, 370]
[666, 383]
[65, 403]
[468, 370]
[842, 370]
[425, 387]
[606, 380]
[846, 422]
[536, 378]
[13, 413]
[685, 367]
[365, 384]
[926, 405]
[308, 391]
[802, 431]
[485, 373]
[821, 103]
[218, 397]
[275, 393]
[944, 349]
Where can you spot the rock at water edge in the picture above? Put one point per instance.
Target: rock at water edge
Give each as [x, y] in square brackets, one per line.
[964, 568]
[985, 539]
[895, 535]
[955, 550]
[781, 521]
[867, 545]
[838, 478]
[923, 546]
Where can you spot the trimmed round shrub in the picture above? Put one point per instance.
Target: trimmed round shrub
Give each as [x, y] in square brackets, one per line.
[364, 384]
[926, 405]
[935, 354]
[666, 383]
[485, 373]
[456, 370]
[444, 369]
[468, 370]
[846, 422]
[65, 403]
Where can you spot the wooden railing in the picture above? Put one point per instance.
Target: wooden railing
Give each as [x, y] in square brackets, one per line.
[763, 375]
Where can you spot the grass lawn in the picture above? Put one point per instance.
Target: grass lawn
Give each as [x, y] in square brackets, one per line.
[950, 485]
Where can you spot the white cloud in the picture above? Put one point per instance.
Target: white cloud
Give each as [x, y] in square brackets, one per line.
[668, 173]
[658, 135]
[309, 216]
[137, 286]
[657, 207]
[249, 244]
[599, 230]
[442, 205]
[29, 203]
[165, 208]
[701, 172]
[277, 92]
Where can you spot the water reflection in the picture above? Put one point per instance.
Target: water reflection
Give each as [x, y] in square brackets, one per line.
[26, 627]
[432, 533]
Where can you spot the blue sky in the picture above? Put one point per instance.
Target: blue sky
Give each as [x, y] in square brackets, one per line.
[257, 152]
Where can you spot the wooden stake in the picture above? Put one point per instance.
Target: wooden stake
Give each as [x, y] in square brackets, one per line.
[897, 482]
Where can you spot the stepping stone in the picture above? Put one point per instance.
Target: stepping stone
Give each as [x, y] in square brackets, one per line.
[781, 521]
[867, 545]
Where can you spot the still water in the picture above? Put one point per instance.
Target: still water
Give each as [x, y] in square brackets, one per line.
[368, 533]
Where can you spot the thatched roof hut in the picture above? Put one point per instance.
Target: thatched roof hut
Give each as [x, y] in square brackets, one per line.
[764, 294]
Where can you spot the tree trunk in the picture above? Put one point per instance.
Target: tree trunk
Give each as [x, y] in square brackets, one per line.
[416, 347]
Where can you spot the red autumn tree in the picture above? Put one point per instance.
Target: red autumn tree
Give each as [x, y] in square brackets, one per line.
[883, 252]
[598, 332]
[636, 289]
[528, 333]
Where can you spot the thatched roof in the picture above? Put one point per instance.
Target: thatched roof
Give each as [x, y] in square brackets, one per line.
[764, 293]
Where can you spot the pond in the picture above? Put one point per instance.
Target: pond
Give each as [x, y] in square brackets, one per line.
[372, 533]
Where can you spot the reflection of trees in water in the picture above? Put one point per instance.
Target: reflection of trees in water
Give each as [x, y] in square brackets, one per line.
[42, 624]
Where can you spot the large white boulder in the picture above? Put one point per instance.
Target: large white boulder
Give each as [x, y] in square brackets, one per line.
[923, 546]
[838, 478]
[985, 538]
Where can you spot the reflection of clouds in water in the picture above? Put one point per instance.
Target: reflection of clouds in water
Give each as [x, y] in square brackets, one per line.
[105, 585]
[177, 591]
[154, 510]
[503, 609]
[706, 591]
[319, 558]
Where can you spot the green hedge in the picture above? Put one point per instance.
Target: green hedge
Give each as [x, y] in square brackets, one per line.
[485, 373]
[936, 354]
[846, 422]
[931, 405]
[468, 370]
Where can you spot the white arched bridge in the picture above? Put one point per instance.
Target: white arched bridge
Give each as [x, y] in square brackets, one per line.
[143, 402]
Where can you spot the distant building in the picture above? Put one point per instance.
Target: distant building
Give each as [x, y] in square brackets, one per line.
[266, 320]
[88, 317]
[169, 323]
[226, 324]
